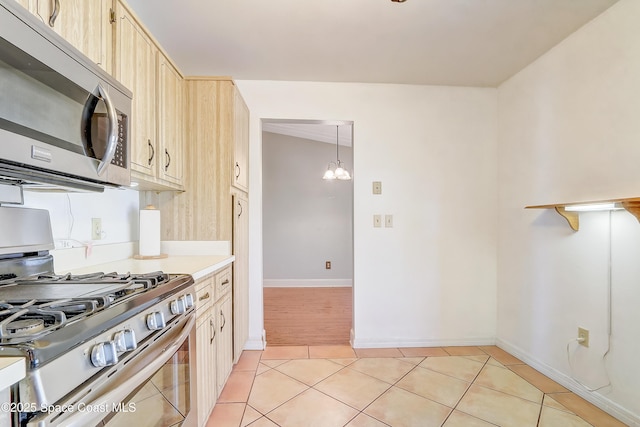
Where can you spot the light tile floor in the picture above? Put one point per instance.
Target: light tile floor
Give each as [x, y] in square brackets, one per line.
[337, 386]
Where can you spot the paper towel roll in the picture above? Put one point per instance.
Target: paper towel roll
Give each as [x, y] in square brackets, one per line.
[149, 231]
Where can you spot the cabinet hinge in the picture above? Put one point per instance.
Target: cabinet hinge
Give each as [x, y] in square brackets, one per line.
[112, 16]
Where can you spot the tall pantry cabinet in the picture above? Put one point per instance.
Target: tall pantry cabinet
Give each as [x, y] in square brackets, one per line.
[214, 206]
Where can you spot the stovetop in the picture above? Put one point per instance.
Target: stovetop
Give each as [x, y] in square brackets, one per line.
[46, 315]
[34, 306]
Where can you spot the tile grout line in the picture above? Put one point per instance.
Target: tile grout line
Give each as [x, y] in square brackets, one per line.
[390, 385]
[467, 390]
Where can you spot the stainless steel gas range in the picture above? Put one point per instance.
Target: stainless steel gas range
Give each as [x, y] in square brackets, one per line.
[101, 349]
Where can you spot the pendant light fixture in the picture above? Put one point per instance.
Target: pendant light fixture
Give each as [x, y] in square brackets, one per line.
[339, 172]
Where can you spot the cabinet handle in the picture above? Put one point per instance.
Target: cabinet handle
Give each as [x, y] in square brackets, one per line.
[168, 157]
[151, 150]
[224, 320]
[226, 282]
[240, 206]
[54, 14]
[204, 297]
[238, 171]
[213, 330]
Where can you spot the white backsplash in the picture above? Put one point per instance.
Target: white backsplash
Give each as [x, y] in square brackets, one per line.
[71, 215]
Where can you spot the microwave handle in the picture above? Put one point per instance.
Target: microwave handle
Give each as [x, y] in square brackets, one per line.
[112, 129]
[112, 136]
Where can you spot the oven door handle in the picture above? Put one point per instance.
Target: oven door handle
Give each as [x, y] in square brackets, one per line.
[120, 385]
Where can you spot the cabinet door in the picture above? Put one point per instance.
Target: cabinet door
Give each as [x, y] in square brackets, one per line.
[203, 369]
[241, 143]
[224, 359]
[171, 118]
[135, 67]
[240, 274]
[29, 5]
[206, 339]
[84, 24]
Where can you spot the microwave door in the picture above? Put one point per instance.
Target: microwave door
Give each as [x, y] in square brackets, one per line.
[100, 138]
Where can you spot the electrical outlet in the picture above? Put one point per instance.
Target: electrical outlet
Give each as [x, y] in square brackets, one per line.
[583, 336]
[327, 265]
[96, 228]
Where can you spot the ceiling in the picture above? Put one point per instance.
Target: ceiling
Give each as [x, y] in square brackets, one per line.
[323, 131]
[438, 42]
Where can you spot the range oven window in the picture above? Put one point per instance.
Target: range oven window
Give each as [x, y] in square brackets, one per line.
[164, 400]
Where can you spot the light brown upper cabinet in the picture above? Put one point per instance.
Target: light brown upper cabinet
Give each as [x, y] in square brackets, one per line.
[240, 178]
[170, 121]
[30, 5]
[156, 127]
[135, 67]
[84, 24]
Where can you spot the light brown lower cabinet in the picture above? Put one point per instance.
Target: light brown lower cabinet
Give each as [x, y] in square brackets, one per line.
[205, 361]
[206, 384]
[214, 339]
[224, 349]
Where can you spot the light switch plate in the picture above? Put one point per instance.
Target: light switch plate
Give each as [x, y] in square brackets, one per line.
[377, 221]
[377, 187]
[388, 221]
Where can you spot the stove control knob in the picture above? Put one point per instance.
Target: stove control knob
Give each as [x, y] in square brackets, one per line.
[178, 306]
[125, 340]
[155, 320]
[104, 354]
[189, 301]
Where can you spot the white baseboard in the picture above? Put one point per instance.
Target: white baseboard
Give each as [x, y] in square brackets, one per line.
[307, 283]
[364, 343]
[256, 343]
[597, 399]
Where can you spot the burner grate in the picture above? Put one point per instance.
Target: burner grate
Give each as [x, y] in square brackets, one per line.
[31, 319]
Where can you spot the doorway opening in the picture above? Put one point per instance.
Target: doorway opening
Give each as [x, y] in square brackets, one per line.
[307, 232]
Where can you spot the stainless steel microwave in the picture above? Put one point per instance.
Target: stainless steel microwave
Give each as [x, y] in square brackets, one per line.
[64, 122]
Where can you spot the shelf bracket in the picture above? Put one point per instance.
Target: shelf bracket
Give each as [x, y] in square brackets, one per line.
[572, 217]
[633, 207]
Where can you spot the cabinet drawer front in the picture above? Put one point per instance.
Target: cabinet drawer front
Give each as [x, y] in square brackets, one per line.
[223, 282]
[205, 294]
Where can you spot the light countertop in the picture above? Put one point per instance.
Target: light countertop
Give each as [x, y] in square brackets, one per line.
[12, 370]
[196, 265]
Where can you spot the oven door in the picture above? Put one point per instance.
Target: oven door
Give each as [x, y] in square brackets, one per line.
[156, 386]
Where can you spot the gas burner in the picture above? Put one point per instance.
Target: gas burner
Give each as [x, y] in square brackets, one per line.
[25, 326]
[27, 320]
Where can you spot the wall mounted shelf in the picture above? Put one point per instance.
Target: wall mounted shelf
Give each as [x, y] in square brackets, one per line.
[571, 211]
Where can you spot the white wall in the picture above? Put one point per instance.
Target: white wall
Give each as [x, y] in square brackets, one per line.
[307, 220]
[431, 279]
[569, 130]
[71, 214]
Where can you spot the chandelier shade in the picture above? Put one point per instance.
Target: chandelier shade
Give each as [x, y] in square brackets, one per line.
[337, 171]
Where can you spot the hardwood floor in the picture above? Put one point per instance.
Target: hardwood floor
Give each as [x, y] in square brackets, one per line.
[308, 316]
